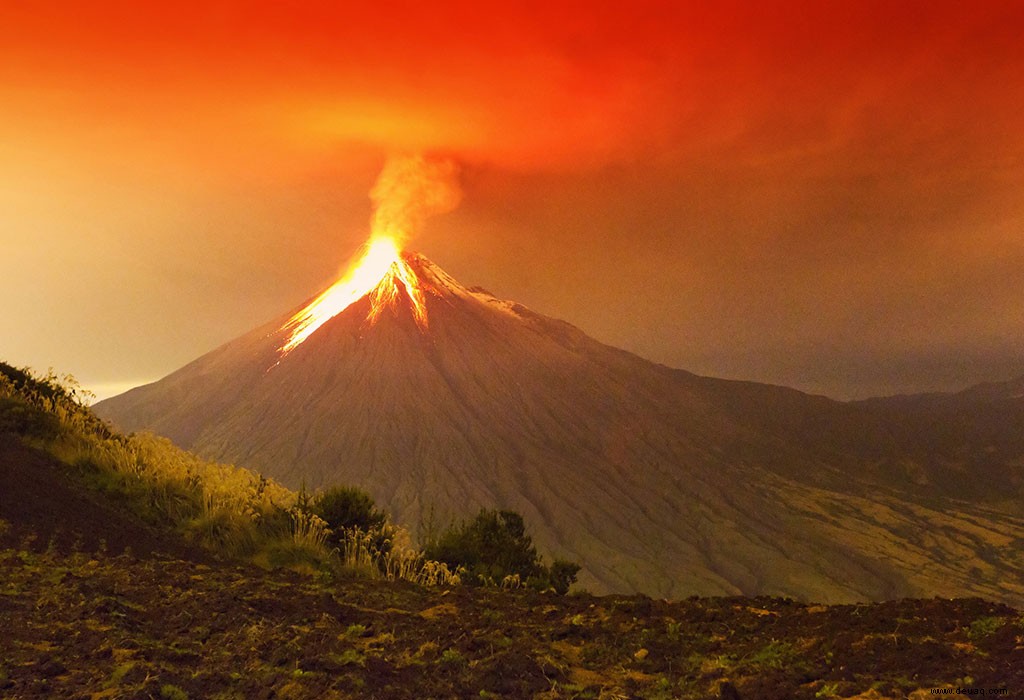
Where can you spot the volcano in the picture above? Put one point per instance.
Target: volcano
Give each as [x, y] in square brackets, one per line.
[440, 400]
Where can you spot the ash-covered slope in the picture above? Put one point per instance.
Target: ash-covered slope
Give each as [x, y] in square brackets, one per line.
[654, 479]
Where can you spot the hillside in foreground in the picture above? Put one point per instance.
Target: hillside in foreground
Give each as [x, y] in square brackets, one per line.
[171, 618]
[89, 625]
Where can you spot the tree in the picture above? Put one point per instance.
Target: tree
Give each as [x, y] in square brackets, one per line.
[494, 545]
[346, 508]
[562, 574]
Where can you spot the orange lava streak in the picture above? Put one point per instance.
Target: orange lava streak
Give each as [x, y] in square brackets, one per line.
[387, 293]
[381, 273]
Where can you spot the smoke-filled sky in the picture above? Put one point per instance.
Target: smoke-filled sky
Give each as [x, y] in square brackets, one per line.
[827, 195]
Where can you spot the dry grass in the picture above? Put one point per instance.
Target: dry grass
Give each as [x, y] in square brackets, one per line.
[224, 508]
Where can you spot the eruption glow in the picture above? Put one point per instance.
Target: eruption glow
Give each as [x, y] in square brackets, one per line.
[409, 190]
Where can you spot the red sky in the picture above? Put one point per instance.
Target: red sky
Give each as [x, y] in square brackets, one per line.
[825, 195]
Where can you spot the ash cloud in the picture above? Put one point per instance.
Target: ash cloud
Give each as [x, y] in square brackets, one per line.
[410, 189]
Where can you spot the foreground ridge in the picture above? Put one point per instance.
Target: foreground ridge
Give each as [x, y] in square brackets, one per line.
[75, 623]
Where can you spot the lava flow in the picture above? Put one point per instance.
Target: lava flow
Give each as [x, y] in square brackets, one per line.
[381, 274]
[409, 190]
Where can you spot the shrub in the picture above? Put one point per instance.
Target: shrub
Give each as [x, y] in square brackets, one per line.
[48, 387]
[224, 531]
[60, 397]
[494, 547]
[346, 507]
[351, 517]
[562, 574]
[490, 547]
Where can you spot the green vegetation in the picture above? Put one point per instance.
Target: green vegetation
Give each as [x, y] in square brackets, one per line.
[361, 533]
[453, 658]
[829, 690]
[494, 548]
[983, 627]
[240, 514]
[490, 547]
[775, 654]
[172, 692]
[222, 508]
[27, 404]
[348, 508]
[562, 574]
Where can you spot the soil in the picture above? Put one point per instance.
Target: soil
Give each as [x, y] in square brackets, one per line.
[86, 625]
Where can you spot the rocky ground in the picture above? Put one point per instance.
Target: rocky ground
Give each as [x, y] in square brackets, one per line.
[95, 625]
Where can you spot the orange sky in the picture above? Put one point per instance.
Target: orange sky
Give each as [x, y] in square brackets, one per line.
[826, 195]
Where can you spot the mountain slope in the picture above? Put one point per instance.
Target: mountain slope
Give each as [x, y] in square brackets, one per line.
[967, 445]
[654, 479]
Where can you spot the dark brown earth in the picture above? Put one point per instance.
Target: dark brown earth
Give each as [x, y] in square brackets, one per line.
[85, 626]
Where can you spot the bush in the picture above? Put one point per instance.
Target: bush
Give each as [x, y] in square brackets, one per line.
[562, 574]
[224, 508]
[346, 508]
[494, 546]
[353, 519]
[490, 547]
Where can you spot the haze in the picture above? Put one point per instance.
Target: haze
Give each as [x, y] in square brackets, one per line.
[797, 193]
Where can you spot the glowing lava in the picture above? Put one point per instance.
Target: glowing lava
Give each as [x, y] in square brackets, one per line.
[381, 273]
[409, 189]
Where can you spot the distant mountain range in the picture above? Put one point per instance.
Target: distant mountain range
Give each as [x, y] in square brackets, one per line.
[654, 479]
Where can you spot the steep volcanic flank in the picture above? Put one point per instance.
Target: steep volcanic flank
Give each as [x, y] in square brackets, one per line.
[656, 480]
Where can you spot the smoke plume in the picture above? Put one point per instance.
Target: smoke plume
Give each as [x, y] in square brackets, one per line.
[410, 189]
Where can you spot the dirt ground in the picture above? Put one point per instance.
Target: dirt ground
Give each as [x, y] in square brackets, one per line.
[84, 625]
